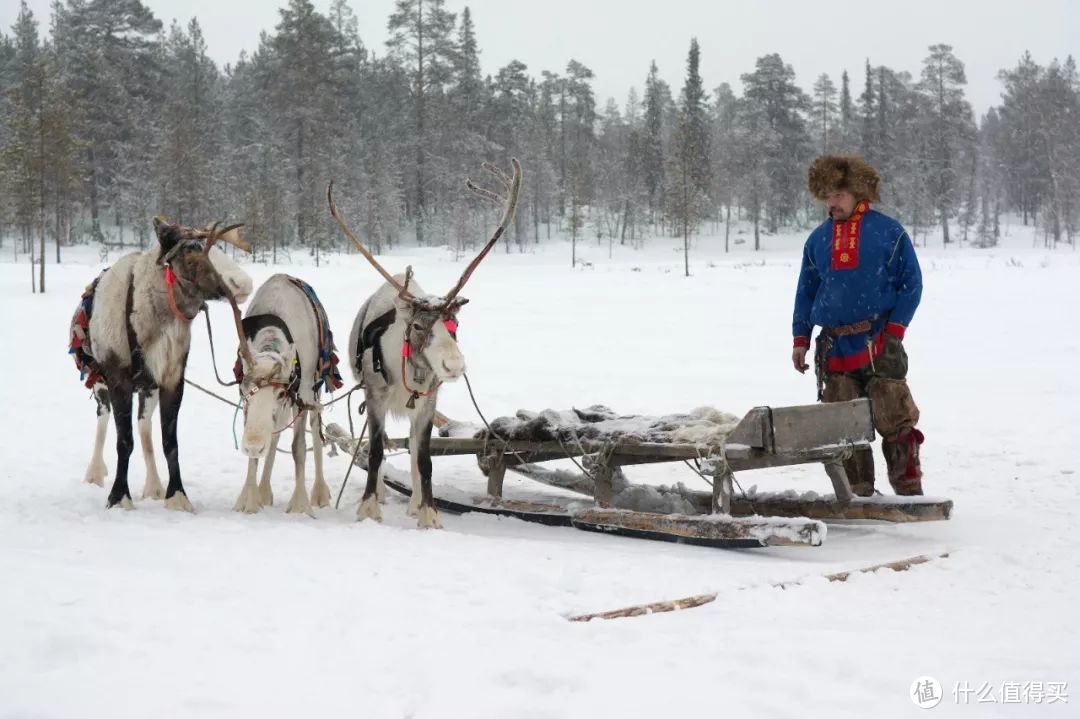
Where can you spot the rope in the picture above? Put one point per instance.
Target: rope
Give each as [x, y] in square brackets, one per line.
[338, 399]
[213, 356]
[235, 441]
[726, 470]
[491, 432]
[215, 396]
[352, 463]
[608, 450]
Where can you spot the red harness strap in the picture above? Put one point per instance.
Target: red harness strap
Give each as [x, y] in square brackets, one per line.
[170, 280]
[406, 354]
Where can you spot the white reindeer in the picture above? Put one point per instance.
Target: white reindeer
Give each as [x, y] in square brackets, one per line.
[136, 341]
[402, 321]
[284, 329]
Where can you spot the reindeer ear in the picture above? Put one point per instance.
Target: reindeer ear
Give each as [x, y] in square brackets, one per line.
[168, 235]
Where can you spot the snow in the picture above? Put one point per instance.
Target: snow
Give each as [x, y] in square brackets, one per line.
[213, 614]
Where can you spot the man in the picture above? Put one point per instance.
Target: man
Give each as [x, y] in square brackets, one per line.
[860, 282]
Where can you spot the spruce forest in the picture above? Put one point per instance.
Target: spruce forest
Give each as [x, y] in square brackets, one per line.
[109, 118]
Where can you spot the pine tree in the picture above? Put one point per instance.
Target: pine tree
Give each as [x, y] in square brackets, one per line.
[771, 89]
[824, 114]
[109, 66]
[190, 135]
[306, 94]
[578, 116]
[950, 128]
[724, 153]
[653, 149]
[847, 116]
[753, 142]
[867, 116]
[421, 41]
[21, 150]
[689, 176]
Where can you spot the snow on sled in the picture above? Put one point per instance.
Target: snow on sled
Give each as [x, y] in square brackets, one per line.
[718, 444]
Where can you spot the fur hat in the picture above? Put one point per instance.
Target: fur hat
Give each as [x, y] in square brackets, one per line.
[836, 173]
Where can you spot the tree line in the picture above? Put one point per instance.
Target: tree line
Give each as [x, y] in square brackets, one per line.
[110, 118]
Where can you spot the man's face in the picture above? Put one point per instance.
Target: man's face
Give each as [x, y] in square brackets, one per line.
[840, 205]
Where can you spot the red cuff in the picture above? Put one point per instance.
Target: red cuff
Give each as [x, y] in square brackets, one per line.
[802, 341]
[896, 330]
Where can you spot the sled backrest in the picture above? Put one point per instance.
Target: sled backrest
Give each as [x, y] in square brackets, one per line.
[783, 430]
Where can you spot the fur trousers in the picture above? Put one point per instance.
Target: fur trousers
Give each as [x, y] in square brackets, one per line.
[895, 416]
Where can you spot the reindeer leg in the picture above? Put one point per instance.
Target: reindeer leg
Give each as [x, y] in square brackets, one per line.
[299, 501]
[121, 401]
[148, 401]
[266, 493]
[427, 517]
[414, 469]
[97, 471]
[320, 492]
[369, 504]
[248, 501]
[175, 496]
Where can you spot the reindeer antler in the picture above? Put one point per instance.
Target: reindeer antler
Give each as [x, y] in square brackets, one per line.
[513, 188]
[403, 292]
[230, 234]
[245, 349]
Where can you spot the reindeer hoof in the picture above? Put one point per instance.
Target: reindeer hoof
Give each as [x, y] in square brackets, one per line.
[153, 489]
[95, 474]
[414, 507]
[179, 501]
[369, 509]
[299, 504]
[248, 501]
[320, 494]
[428, 518]
[123, 503]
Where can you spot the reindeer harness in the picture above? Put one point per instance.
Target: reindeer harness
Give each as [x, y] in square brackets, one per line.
[327, 360]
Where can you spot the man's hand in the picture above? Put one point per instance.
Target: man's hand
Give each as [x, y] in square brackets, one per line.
[798, 358]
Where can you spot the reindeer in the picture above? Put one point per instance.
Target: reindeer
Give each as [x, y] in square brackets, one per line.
[286, 357]
[135, 341]
[400, 318]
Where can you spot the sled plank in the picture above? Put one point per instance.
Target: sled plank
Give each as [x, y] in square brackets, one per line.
[707, 530]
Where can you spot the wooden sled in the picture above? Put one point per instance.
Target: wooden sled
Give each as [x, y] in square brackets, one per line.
[824, 434]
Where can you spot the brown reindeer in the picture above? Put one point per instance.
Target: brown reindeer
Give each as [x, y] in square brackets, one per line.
[136, 341]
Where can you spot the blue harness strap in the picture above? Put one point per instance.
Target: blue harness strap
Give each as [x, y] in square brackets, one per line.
[327, 369]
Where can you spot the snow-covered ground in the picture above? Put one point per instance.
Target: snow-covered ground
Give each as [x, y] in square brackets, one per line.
[154, 613]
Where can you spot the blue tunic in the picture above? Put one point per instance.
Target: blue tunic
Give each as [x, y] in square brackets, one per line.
[880, 281]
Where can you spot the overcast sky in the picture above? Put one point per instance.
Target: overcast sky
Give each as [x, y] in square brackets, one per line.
[618, 38]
